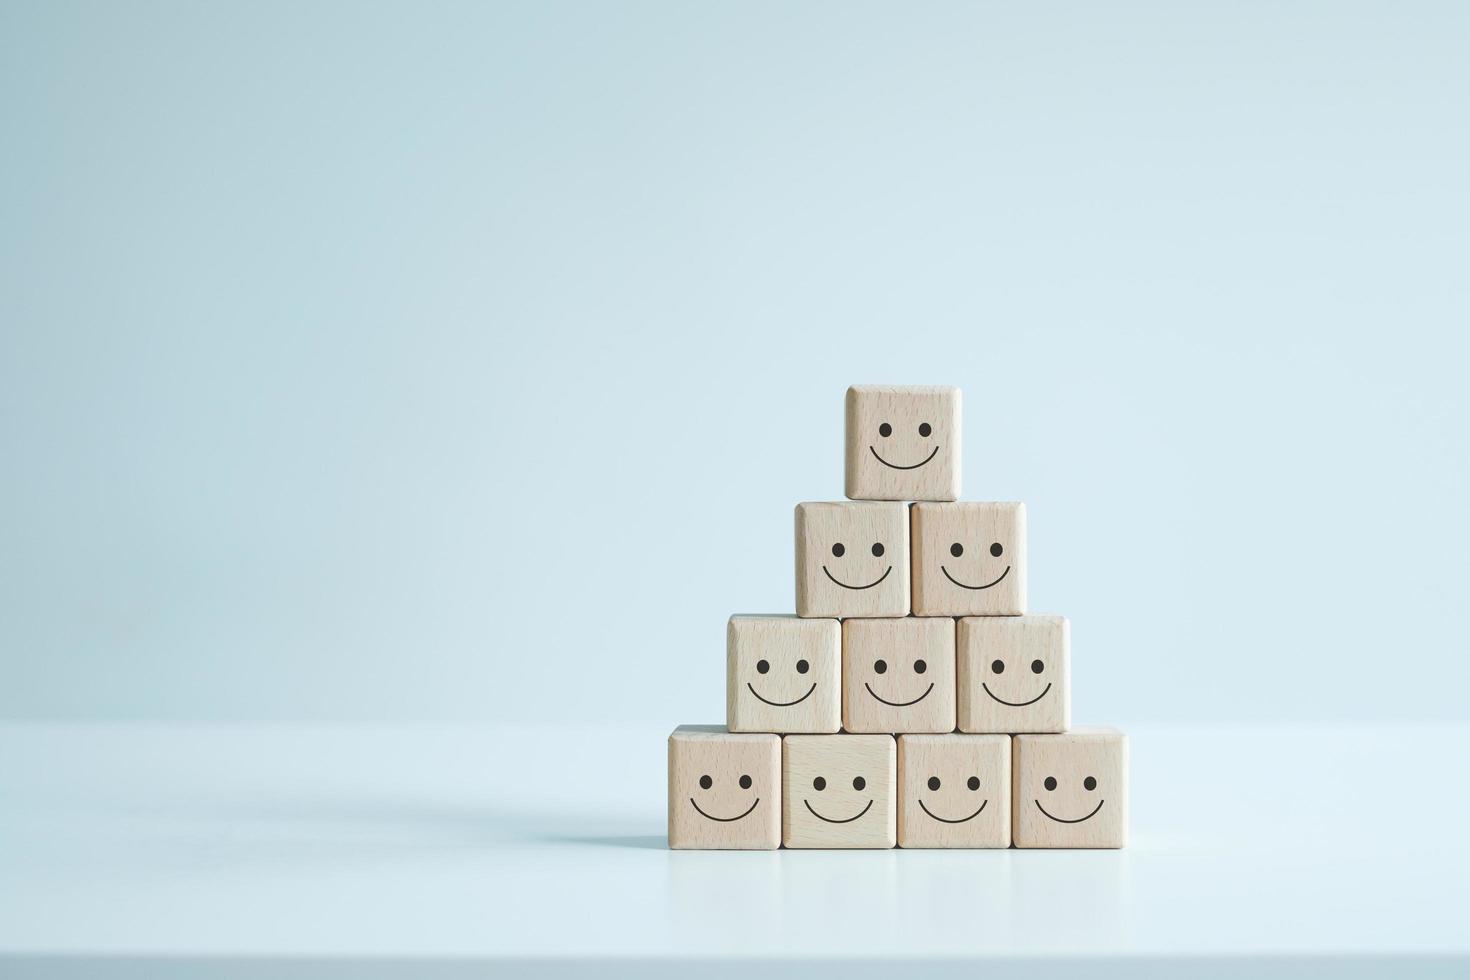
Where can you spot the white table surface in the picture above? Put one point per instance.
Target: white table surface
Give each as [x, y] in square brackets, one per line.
[286, 850]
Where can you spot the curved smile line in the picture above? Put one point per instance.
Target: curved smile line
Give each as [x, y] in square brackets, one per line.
[891, 466]
[830, 820]
[899, 704]
[859, 588]
[787, 704]
[944, 820]
[1078, 820]
[725, 819]
[1009, 704]
[974, 588]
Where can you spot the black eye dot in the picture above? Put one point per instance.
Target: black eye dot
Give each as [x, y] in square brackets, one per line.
[705, 782]
[745, 782]
[997, 666]
[881, 666]
[1051, 783]
[957, 549]
[973, 782]
[819, 784]
[933, 782]
[924, 429]
[761, 666]
[838, 551]
[802, 666]
[859, 783]
[885, 430]
[996, 549]
[877, 550]
[1037, 666]
[920, 666]
[1089, 784]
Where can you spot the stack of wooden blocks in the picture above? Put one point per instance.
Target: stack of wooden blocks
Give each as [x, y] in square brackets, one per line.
[911, 700]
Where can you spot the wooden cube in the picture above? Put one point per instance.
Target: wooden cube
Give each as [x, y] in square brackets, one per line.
[903, 443]
[852, 559]
[969, 559]
[724, 789]
[898, 675]
[954, 791]
[1014, 674]
[1071, 790]
[783, 674]
[839, 790]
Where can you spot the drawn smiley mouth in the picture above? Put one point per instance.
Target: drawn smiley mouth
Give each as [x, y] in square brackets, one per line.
[857, 588]
[710, 816]
[974, 588]
[1063, 819]
[895, 466]
[946, 819]
[783, 704]
[1013, 704]
[830, 820]
[898, 704]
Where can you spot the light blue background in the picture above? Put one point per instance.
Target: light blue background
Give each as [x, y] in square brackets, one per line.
[465, 361]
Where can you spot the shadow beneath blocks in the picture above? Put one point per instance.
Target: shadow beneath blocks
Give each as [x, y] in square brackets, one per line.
[650, 842]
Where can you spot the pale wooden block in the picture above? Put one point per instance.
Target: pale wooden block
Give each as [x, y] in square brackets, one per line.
[969, 559]
[839, 790]
[903, 443]
[783, 674]
[1014, 674]
[852, 559]
[724, 789]
[898, 675]
[1071, 790]
[954, 791]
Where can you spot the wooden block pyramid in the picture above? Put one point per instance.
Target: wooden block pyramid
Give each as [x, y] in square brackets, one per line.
[912, 701]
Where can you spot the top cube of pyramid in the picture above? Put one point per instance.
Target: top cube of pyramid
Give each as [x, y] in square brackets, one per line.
[903, 443]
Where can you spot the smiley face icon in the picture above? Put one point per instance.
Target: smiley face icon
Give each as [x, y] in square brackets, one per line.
[724, 789]
[898, 675]
[969, 559]
[852, 560]
[839, 790]
[903, 442]
[782, 674]
[1089, 784]
[954, 791]
[1071, 790]
[1014, 673]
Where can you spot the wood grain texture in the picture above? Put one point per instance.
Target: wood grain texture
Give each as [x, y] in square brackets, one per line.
[1070, 811]
[969, 559]
[839, 790]
[1014, 674]
[783, 674]
[865, 547]
[907, 662]
[954, 791]
[723, 815]
[903, 443]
